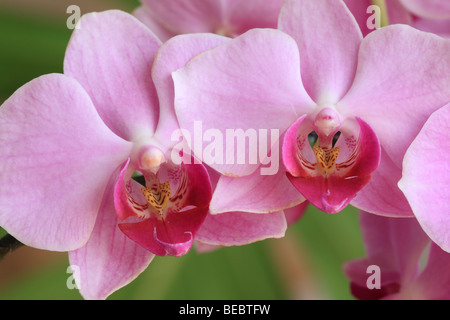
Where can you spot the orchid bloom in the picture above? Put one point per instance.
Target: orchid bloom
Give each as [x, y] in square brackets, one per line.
[347, 107]
[236, 226]
[428, 191]
[225, 17]
[427, 15]
[397, 249]
[70, 144]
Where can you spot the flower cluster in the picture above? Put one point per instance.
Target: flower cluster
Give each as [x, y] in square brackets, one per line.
[218, 122]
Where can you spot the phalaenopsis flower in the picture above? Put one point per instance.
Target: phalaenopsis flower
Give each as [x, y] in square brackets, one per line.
[71, 143]
[347, 107]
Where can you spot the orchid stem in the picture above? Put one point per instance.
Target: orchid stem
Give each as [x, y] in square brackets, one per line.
[8, 244]
[384, 13]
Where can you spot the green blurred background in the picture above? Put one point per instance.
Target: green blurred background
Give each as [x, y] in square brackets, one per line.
[306, 264]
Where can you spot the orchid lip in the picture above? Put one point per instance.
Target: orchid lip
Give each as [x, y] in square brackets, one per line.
[332, 208]
[329, 171]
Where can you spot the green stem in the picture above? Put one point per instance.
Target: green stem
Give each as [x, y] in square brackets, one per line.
[384, 14]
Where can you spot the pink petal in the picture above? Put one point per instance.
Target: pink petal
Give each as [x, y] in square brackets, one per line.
[381, 195]
[173, 55]
[402, 77]
[180, 16]
[334, 192]
[255, 193]
[328, 38]
[433, 9]
[239, 85]
[57, 157]
[426, 177]
[109, 260]
[240, 228]
[112, 56]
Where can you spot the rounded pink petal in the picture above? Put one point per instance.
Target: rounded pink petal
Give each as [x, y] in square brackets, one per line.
[240, 228]
[403, 76]
[255, 193]
[57, 157]
[426, 177]
[239, 86]
[109, 260]
[328, 38]
[174, 54]
[111, 55]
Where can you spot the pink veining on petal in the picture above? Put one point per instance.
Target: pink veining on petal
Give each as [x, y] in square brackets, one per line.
[56, 157]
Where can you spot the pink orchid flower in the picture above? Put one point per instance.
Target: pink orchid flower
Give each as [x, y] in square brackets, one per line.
[360, 101]
[70, 144]
[394, 268]
[430, 16]
[427, 15]
[226, 17]
[236, 226]
[428, 190]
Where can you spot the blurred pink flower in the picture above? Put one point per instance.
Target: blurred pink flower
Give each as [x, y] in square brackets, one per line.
[70, 143]
[364, 99]
[408, 265]
[426, 15]
[226, 17]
